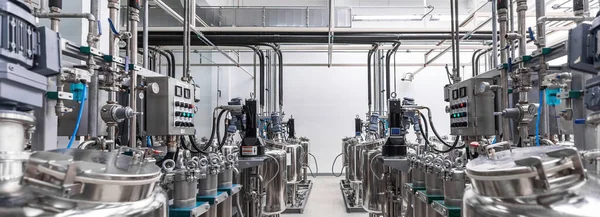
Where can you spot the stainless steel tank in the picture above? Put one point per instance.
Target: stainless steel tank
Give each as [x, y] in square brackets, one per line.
[305, 143]
[14, 127]
[345, 159]
[547, 180]
[229, 159]
[373, 184]
[113, 184]
[273, 173]
[185, 188]
[209, 185]
[293, 162]
[225, 179]
[354, 153]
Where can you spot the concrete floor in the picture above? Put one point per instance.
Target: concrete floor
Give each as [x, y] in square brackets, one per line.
[326, 200]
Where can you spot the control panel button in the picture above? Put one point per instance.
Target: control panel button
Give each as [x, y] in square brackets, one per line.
[177, 114]
[178, 123]
[177, 103]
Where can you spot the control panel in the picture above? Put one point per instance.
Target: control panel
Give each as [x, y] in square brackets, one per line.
[471, 108]
[170, 108]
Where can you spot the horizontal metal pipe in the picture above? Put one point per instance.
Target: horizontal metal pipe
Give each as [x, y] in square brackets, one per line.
[170, 39]
[320, 64]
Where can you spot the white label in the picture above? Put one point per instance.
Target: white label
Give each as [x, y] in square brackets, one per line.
[182, 131]
[249, 150]
[288, 160]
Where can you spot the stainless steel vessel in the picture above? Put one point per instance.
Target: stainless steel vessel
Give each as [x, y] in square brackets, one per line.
[293, 162]
[373, 183]
[346, 159]
[305, 143]
[14, 127]
[229, 159]
[547, 180]
[208, 186]
[273, 173]
[73, 182]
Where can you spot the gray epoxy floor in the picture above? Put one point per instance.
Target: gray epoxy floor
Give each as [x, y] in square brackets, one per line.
[325, 200]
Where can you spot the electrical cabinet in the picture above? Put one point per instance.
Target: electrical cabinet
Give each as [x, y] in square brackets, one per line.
[471, 108]
[170, 108]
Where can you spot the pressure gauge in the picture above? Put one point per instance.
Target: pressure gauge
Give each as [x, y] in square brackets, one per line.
[484, 87]
[122, 44]
[532, 109]
[154, 88]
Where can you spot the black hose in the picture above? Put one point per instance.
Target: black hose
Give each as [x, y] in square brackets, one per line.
[436, 133]
[172, 75]
[219, 127]
[333, 165]
[452, 147]
[170, 68]
[426, 127]
[212, 133]
[195, 145]
[369, 56]
[388, 85]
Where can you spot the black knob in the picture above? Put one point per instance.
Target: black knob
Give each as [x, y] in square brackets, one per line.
[177, 114]
[191, 124]
[177, 103]
[178, 123]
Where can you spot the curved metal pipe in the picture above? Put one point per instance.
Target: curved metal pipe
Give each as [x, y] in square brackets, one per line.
[473, 65]
[280, 58]
[173, 61]
[369, 56]
[168, 58]
[477, 60]
[86, 143]
[388, 86]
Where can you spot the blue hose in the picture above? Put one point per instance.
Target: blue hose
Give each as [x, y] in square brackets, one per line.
[81, 106]
[112, 27]
[537, 121]
[148, 141]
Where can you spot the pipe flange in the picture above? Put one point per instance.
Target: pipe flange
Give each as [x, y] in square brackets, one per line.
[114, 113]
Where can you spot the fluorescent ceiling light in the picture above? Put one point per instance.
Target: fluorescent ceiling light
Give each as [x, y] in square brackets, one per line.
[388, 18]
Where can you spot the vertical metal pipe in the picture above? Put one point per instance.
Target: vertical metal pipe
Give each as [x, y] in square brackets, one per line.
[113, 50]
[145, 34]
[134, 18]
[186, 33]
[522, 28]
[494, 34]
[93, 109]
[503, 21]
[452, 27]
[457, 39]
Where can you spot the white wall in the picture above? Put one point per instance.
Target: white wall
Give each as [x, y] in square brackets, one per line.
[324, 101]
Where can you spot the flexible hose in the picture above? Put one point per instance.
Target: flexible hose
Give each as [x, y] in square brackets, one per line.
[219, 140]
[537, 120]
[84, 93]
[371, 167]
[212, 133]
[316, 163]
[277, 173]
[436, 133]
[437, 136]
[311, 173]
[333, 165]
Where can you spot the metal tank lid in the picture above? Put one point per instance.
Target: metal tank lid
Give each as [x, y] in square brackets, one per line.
[506, 163]
[93, 166]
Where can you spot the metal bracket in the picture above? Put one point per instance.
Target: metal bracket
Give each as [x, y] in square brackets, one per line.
[536, 164]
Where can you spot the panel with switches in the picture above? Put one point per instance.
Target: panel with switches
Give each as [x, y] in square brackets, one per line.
[171, 110]
[471, 110]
